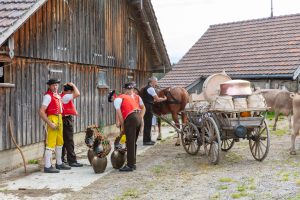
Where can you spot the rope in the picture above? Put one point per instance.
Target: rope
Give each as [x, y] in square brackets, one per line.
[14, 141]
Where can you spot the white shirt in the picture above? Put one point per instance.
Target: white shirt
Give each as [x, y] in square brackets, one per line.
[66, 98]
[151, 91]
[118, 102]
[47, 100]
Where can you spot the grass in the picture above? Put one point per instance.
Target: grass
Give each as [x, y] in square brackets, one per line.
[298, 182]
[233, 157]
[33, 162]
[158, 169]
[241, 188]
[226, 180]
[279, 132]
[132, 193]
[223, 187]
[239, 195]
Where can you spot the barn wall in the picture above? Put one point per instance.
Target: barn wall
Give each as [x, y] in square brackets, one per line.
[30, 76]
[97, 32]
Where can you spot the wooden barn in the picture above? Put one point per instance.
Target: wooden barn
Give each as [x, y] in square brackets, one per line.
[97, 44]
[263, 51]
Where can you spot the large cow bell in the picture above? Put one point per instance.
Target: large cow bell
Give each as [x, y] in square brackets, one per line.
[90, 155]
[118, 158]
[240, 131]
[99, 164]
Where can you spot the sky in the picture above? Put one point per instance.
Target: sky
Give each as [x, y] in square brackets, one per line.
[183, 22]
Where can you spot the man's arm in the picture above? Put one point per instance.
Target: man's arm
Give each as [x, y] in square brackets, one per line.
[120, 118]
[159, 99]
[76, 92]
[43, 115]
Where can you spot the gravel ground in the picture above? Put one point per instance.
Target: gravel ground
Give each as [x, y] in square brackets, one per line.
[168, 172]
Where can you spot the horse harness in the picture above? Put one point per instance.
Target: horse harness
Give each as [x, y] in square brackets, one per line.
[173, 99]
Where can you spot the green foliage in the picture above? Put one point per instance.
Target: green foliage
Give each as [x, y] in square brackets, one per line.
[158, 169]
[132, 193]
[223, 187]
[226, 180]
[33, 161]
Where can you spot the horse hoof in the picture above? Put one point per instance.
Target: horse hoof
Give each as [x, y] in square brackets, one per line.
[177, 144]
[159, 138]
[293, 152]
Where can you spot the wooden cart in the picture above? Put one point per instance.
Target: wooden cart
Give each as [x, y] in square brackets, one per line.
[219, 130]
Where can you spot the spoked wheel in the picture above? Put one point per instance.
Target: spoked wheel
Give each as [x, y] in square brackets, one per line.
[259, 142]
[211, 140]
[227, 144]
[190, 138]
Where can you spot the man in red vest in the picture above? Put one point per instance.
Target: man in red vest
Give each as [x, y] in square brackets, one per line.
[128, 107]
[70, 92]
[51, 113]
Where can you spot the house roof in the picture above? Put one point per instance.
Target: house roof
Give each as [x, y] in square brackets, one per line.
[13, 13]
[260, 48]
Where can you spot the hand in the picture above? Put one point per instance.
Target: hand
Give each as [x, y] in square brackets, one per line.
[53, 126]
[70, 84]
[118, 125]
[142, 127]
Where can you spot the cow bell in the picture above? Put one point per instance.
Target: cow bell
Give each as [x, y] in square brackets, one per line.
[240, 131]
[99, 164]
[118, 158]
[90, 155]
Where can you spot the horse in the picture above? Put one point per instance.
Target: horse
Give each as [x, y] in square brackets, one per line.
[177, 98]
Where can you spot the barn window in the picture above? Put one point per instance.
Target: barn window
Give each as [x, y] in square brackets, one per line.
[102, 80]
[1, 72]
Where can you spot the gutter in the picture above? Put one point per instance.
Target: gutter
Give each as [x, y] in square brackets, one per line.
[264, 76]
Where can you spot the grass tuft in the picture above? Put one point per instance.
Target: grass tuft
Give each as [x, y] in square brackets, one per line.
[226, 180]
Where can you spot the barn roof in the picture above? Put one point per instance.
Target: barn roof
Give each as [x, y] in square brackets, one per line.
[260, 48]
[13, 13]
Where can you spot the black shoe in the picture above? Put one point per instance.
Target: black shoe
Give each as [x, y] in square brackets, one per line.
[134, 167]
[126, 168]
[149, 143]
[63, 166]
[75, 164]
[50, 170]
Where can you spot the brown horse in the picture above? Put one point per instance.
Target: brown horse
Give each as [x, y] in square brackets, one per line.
[177, 98]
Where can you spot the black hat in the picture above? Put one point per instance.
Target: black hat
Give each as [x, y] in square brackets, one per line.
[68, 87]
[129, 85]
[53, 81]
[110, 95]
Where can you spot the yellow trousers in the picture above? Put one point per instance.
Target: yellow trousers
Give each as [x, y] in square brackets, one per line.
[55, 136]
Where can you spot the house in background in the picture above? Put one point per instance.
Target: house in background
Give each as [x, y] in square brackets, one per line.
[97, 44]
[263, 51]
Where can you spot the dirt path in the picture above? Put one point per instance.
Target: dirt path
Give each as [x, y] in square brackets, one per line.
[168, 172]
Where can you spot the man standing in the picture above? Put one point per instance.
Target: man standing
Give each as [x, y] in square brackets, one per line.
[69, 93]
[129, 115]
[149, 98]
[51, 113]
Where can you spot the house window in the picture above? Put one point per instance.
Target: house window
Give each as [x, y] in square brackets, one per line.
[1, 72]
[102, 80]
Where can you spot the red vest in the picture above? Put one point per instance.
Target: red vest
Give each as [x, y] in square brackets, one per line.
[128, 105]
[69, 108]
[54, 107]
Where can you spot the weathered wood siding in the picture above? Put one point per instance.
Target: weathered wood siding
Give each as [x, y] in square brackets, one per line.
[79, 38]
[99, 32]
[22, 103]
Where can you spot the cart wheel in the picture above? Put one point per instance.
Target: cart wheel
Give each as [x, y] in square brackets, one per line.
[259, 142]
[227, 144]
[211, 142]
[190, 138]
